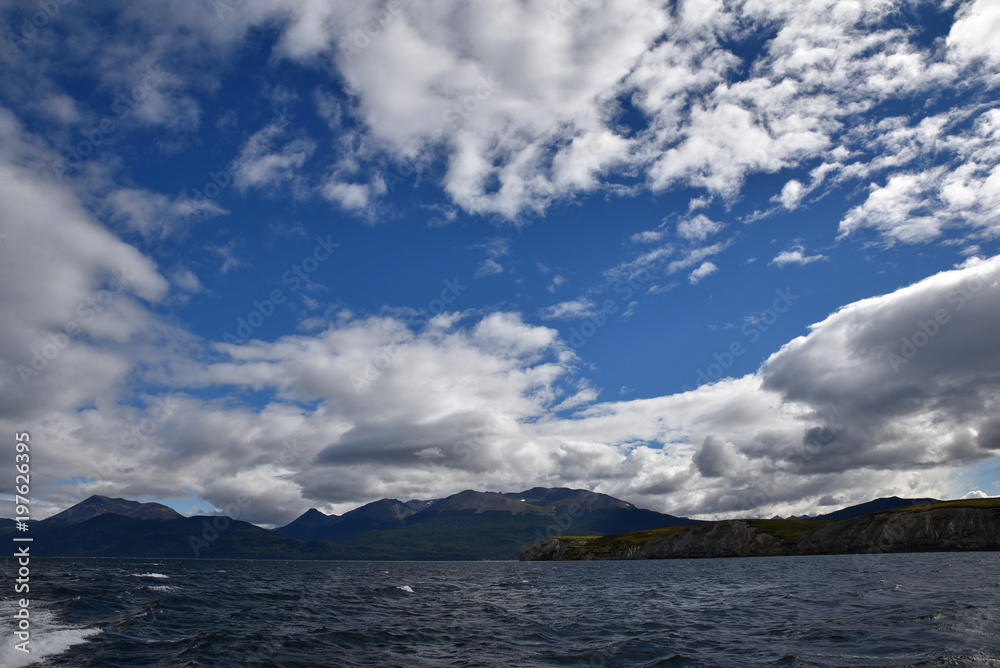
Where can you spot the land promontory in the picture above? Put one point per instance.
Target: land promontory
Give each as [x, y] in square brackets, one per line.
[963, 525]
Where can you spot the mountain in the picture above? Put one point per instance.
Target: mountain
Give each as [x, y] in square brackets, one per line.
[961, 525]
[306, 524]
[486, 502]
[876, 506]
[99, 505]
[467, 525]
[314, 525]
[493, 525]
[562, 498]
[475, 525]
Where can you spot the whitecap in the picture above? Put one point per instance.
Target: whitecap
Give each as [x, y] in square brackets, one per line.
[49, 637]
[149, 575]
[406, 588]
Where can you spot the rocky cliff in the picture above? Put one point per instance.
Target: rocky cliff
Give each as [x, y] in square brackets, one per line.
[939, 527]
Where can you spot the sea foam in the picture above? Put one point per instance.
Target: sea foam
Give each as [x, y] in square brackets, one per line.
[49, 637]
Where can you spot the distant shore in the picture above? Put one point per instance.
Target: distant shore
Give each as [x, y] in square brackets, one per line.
[963, 525]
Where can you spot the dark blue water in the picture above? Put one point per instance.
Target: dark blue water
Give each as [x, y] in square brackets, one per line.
[873, 610]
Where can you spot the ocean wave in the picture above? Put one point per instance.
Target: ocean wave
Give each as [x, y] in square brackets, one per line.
[148, 575]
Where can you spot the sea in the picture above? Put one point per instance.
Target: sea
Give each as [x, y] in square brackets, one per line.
[940, 609]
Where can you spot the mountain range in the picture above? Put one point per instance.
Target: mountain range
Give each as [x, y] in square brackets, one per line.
[467, 525]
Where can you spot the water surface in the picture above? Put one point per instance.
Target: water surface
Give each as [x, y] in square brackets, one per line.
[871, 610]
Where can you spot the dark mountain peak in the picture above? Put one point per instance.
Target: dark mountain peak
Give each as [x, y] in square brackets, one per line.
[562, 498]
[96, 505]
[93, 506]
[153, 511]
[306, 524]
[880, 505]
[383, 509]
[480, 502]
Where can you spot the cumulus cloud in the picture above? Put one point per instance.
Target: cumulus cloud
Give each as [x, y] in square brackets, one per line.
[791, 195]
[522, 123]
[886, 395]
[81, 295]
[715, 459]
[972, 35]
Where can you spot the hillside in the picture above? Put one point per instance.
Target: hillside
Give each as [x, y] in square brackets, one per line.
[968, 524]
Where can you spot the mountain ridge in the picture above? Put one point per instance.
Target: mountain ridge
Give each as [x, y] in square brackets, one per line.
[466, 525]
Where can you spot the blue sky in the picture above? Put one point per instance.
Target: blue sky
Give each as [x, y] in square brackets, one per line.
[674, 252]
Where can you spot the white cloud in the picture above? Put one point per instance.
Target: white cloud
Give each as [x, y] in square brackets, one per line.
[230, 257]
[962, 192]
[706, 269]
[521, 113]
[831, 413]
[694, 256]
[795, 255]
[557, 281]
[570, 310]
[186, 280]
[973, 35]
[649, 236]
[791, 195]
[523, 122]
[489, 267]
[78, 291]
[262, 164]
[61, 107]
[155, 215]
[698, 228]
[351, 196]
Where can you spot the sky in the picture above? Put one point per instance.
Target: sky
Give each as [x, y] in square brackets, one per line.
[714, 257]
